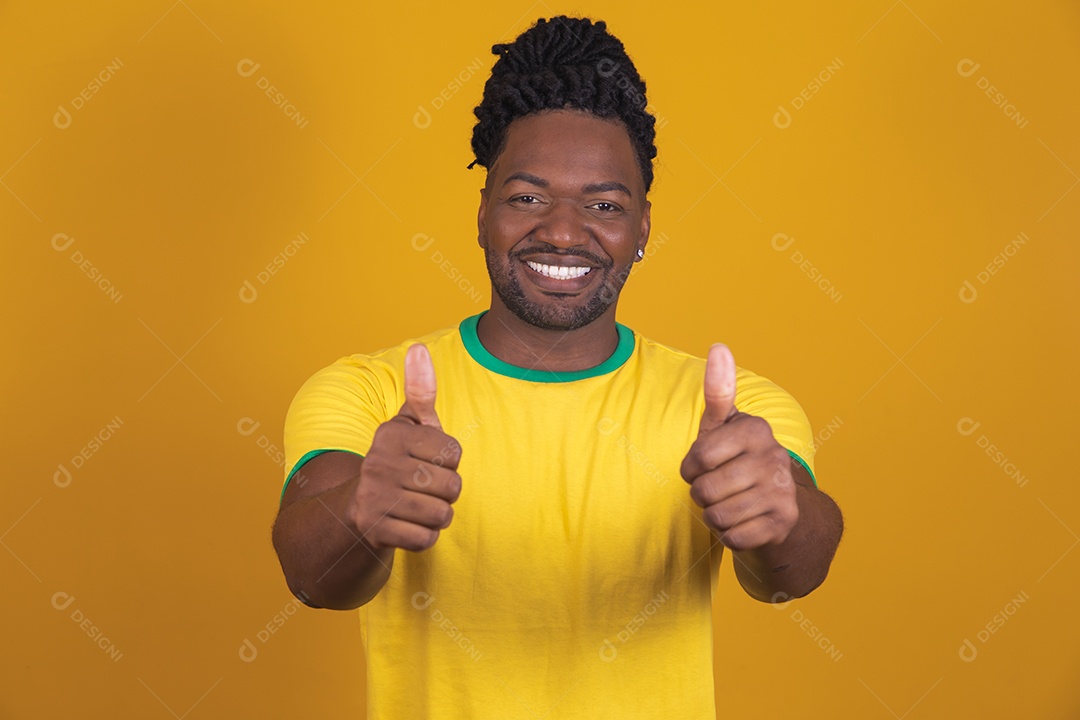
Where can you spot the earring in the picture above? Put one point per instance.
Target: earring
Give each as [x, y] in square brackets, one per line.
[640, 254]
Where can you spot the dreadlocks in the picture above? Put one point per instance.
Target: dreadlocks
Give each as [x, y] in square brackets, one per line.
[558, 64]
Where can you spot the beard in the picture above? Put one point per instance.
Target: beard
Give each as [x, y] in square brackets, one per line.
[559, 313]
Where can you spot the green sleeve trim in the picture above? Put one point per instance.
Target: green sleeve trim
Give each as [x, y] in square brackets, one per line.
[803, 463]
[304, 459]
[471, 340]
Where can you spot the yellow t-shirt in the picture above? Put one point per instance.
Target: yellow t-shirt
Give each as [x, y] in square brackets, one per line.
[577, 577]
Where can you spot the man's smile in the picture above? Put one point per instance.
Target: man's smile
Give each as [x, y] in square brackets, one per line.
[561, 272]
[564, 274]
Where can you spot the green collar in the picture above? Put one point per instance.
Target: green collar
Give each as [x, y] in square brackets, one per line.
[481, 355]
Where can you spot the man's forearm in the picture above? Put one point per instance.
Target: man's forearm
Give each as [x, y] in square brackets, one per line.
[325, 564]
[799, 564]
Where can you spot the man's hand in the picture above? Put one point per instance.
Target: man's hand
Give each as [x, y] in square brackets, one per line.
[409, 477]
[738, 473]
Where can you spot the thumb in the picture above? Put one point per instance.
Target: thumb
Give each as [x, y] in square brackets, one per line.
[420, 387]
[719, 388]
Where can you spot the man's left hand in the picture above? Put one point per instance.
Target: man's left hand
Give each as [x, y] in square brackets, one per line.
[738, 474]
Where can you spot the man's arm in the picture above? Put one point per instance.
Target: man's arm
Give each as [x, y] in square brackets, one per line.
[342, 516]
[326, 564]
[800, 563]
[757, 499]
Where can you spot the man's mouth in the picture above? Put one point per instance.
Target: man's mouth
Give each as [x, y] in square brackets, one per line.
[559, 272]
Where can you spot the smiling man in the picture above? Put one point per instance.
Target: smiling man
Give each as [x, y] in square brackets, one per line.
[530, 509]
[562, 219]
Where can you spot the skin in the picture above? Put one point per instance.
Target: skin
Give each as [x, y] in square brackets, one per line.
[565, 190]
[551, 195]
[343, 516]
[758, 501]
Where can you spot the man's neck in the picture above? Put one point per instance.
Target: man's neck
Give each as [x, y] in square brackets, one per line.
[514, 341]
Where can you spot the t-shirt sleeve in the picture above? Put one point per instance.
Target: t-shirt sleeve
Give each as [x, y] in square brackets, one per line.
[756, 395]
[337, 408]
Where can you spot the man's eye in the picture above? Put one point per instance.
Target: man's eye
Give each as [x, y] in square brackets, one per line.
[525, 199]
[607, 207]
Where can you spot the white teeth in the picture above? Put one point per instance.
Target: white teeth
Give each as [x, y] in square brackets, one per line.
[554, 271]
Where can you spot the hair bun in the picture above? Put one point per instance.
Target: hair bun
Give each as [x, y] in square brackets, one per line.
[564, 62]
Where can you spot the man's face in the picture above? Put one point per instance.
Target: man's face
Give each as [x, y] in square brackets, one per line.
[565, 197]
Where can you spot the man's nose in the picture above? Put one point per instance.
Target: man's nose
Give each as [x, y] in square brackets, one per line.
[562, 224]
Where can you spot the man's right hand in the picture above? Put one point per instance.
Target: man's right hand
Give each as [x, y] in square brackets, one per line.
[409, 478]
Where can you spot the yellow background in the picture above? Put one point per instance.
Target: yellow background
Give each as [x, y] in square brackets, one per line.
[180, 180]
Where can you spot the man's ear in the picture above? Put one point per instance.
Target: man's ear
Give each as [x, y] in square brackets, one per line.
[646, 225]
[481, 221]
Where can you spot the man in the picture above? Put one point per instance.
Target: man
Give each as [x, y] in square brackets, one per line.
[502, 500]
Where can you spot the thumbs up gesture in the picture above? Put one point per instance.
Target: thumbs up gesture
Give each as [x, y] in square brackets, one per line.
[738, 473]
[408, 480]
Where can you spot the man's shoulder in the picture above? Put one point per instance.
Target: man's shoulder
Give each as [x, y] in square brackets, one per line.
[385, 365]
[659, 358]
[443, 340]
[664, 353]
